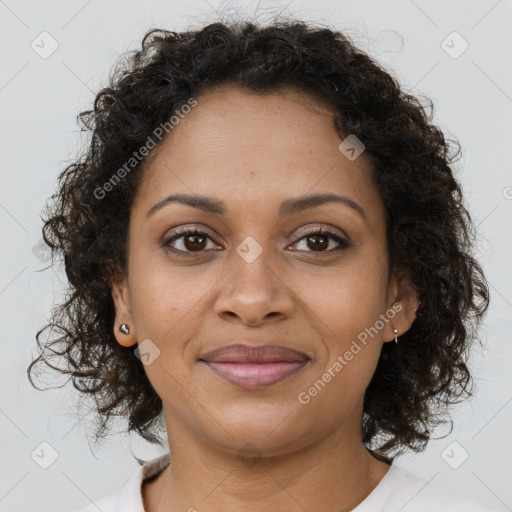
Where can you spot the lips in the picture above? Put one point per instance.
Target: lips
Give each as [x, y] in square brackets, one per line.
[241, 353]
[254, 367]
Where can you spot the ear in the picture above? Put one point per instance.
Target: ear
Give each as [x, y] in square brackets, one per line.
[123, 312]
[404, 302]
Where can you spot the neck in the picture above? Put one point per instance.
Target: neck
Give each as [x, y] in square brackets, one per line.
[335, 474]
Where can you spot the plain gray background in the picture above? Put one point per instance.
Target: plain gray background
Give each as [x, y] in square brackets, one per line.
[40, 96]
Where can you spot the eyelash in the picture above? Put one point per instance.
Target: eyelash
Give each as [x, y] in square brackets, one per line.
[184, 232]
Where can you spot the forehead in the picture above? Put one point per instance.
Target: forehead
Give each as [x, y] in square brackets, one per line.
[259, 147]
[240, 121]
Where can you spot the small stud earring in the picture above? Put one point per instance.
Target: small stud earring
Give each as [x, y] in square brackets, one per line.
[124, 328]
[396, 332]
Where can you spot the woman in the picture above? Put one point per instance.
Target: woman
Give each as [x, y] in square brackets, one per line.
[267, 249]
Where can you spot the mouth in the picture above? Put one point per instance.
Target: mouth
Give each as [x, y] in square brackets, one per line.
[254, 375]
[254, 367]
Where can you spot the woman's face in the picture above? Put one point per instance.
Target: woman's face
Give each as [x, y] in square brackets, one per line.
[255, 277]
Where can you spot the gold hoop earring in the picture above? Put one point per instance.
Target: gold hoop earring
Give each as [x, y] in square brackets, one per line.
[396, 332]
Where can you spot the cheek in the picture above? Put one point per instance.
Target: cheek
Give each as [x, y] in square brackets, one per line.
[350, 297]
[351, 347]
[167, 306]
[166, 300]
[347, 307]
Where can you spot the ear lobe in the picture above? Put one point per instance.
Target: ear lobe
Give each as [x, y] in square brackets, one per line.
[123, 312]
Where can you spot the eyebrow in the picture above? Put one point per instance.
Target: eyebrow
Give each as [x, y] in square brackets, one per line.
[287, 207]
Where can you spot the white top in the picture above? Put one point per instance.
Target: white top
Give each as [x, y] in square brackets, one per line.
[397, 490]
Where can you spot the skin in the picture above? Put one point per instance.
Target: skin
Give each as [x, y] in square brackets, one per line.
[251, 152]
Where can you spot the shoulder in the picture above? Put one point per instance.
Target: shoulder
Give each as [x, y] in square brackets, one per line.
[129, 497]
[404, 491]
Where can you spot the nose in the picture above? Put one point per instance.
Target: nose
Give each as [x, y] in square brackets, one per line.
[254, 292]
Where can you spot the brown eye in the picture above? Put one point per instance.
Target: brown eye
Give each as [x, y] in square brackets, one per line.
[319, 240]
[191, 240]
[194, 242]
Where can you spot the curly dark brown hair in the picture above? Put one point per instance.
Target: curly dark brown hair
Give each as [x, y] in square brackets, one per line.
[430, 234]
